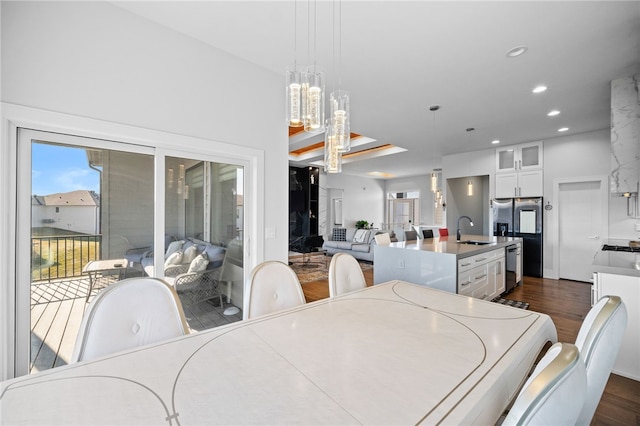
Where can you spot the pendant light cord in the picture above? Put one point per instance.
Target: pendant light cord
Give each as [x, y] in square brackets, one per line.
[295, 35]
[339, 44]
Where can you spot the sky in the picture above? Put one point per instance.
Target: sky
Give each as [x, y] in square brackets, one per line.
[57, 169]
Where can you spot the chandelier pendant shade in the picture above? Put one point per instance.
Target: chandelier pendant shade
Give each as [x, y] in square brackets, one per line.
[294, 98]
[339, 114]
[313, 91]
[332, 156]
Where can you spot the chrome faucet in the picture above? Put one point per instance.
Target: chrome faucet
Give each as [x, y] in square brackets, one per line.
[458, 229]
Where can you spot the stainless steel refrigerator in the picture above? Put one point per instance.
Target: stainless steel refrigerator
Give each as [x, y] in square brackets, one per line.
[521, 217]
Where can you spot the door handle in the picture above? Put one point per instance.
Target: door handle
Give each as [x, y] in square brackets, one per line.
[594, 237]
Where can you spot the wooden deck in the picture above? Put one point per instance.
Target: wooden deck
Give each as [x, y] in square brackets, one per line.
[56, 313]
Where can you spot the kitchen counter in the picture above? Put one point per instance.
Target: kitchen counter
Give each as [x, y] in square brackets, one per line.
[433, 262]
[617, 262]
[450, 245]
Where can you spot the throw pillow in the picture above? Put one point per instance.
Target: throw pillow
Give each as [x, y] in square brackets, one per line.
[360, 236]
[339, 234]
[173, 247]
[190, 254]
[174, 259]
[199, 263]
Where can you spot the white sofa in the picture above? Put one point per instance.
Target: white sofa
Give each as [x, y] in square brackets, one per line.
[361, 248]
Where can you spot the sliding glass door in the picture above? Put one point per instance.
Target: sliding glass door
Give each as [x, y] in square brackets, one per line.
[83, 202]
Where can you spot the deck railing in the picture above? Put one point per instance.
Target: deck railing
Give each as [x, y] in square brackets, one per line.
[62, 256]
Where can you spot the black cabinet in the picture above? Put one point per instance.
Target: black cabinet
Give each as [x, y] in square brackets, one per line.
[303, 201]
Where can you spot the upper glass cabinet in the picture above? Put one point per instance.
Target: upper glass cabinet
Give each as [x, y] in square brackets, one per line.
[519, 157]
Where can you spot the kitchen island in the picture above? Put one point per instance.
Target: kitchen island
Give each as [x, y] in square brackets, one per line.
[617, 273]
[474, 266]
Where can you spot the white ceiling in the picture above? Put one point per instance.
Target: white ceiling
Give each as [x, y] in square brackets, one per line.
[400, 57]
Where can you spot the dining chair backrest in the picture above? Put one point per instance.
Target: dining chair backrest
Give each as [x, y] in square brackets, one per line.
[272, 286]
[598, 341]
[443, 232]
[383, 239]
[410, 235]
[127, 314]
[345, 275]
[555, 391]
[427, 233]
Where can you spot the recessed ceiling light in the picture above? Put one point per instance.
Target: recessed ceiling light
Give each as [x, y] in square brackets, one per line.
[516, 51]
[553, 113]
[495, 142]
[539, 89]
[563, 129]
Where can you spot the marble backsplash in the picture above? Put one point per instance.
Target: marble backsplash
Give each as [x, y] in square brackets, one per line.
[625, 134]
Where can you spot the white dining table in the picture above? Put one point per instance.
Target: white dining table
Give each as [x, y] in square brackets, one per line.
[394, 353]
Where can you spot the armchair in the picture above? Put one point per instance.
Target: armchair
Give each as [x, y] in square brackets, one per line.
[196, 286]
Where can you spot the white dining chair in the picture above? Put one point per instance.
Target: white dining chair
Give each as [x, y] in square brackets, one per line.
[127, 314]
[599, 341]
[345, 274]
[554, 393]
[272, 286]
[383, 239]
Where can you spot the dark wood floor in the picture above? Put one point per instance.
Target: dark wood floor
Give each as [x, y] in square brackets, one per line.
[567, 303]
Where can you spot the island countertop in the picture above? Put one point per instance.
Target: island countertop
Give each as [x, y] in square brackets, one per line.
[432, 262]
[449, 244]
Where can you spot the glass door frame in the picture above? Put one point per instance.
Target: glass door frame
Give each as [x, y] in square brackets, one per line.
[13, 357]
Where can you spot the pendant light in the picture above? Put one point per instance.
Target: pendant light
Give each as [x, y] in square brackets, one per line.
[332, 156]
[434, 172]
[313, 87]
[294, 95]
[469, 188]
[339, 99]
[435, 180]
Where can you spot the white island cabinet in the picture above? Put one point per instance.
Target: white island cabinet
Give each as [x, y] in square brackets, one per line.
[476, 270]
[482, 275]
[618, 274]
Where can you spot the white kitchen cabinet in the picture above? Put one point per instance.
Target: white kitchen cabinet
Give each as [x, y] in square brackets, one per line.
[496, 270]
[519, 184]
[482, 276]
[526, 156]
[628, 288]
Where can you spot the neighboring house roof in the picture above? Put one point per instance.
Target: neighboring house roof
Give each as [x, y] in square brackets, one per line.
[37, 200]
[81, 197]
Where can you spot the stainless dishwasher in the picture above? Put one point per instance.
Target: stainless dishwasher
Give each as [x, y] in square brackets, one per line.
[512, 271]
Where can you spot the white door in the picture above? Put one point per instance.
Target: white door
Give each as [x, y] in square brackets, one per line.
[581, 228]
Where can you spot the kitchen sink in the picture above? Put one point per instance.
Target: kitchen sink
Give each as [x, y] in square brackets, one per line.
[477, 243]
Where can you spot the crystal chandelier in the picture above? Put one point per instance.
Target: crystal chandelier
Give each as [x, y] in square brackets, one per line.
[305, 87]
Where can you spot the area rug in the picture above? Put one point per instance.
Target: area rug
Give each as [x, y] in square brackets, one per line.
[514, 303]
[316, 267]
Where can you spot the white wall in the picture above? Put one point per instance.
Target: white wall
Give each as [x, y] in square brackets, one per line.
[422, 184]
[95, 60]
[582, 155]
[83, 219]
[475, 206]
[363, 198]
